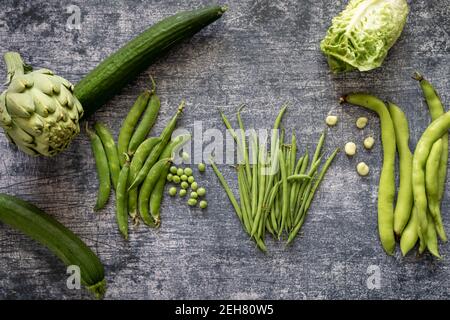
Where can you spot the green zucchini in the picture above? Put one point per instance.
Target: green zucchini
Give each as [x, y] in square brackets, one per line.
[120, 67]
[38, 225]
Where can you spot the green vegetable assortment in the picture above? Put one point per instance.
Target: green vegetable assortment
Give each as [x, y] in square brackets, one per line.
[274, 195]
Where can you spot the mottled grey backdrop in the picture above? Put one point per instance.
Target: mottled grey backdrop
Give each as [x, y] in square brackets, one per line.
[262, 53]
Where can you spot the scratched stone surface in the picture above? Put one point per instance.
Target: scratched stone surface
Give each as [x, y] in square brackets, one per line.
[261, 53]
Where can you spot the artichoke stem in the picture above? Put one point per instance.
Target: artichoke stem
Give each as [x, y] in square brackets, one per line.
[14, 64]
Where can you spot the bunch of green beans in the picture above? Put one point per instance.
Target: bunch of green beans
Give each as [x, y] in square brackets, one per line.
[416, 216]
[275, 187]
[137, 166]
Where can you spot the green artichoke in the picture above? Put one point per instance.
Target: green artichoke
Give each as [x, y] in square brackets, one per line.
[38, 111]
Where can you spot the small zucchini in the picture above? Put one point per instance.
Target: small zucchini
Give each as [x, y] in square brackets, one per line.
[38, 225]
[116, 71]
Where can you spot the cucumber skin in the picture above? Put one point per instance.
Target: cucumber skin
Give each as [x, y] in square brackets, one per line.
[119, 68]
[38, 225]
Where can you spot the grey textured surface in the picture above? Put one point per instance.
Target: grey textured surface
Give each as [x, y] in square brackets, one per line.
[262, 53]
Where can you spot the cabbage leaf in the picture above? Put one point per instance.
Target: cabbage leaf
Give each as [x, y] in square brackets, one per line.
[361, 35]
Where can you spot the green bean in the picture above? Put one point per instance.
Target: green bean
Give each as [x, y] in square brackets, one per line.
[409, 235]
[228, 126]
[405, 199]
[244, 144]
[137, 162]
[285, 194]
[128, 125]
[436, 110]
[305, 189]
[432, 187]
[293, 152]
[111, 151]
[101, 162]
[227, 189]
[147, 121]
[259, 220]
[319, 148]
[147, 188]
[245, 205]
[432, 241]
[386, 189]
[311, 194]
[156, 152]
[433, 133]
[254, 186]
[121, 199]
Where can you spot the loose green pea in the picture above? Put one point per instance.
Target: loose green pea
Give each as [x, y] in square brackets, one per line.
[192, 202]
[203, 204]
[184, 185]
[188, 172]
[173, 170]
[176, 179]
[201, 167]
[173, 191]
[194, 186]
[191, 179]
[169, 177]
[180, 172]
[184, 177]
[183, 192]
[194, 195]
[201, 192]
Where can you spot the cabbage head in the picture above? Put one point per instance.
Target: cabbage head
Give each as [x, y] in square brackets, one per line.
[361, 35]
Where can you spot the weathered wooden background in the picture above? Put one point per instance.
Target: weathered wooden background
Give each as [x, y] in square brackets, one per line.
[262, 53]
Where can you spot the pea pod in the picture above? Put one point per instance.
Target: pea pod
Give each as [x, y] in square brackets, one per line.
[386, 189]
[403, 208]
[130, 122]
[156, 152]
[110, 150]
[157, 193]
[147, 188]
[101, 161]
[147, 121]
[409, 235]
[137, 162]
[432, 187]
[122, 199]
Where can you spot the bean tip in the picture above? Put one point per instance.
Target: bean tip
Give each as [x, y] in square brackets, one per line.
[417, 76]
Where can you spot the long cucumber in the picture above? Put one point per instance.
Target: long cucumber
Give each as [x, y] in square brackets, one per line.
[38, 225]
[119, 68]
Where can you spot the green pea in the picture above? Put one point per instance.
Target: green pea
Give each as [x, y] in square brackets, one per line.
[188, 172]
[184, 185]
[176, 179]
[194, 186]
[192, 202]
[194, 195]
[180, 171]
[201, 192]
[201, 167]
[183, 192]
[169, 177]
[203, 204]
[191, 179]
[184, 177]
[173, 170]
[173, 191]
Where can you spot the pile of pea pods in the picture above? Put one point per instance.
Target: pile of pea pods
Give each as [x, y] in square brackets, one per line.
[413, 215]
[137, 166]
